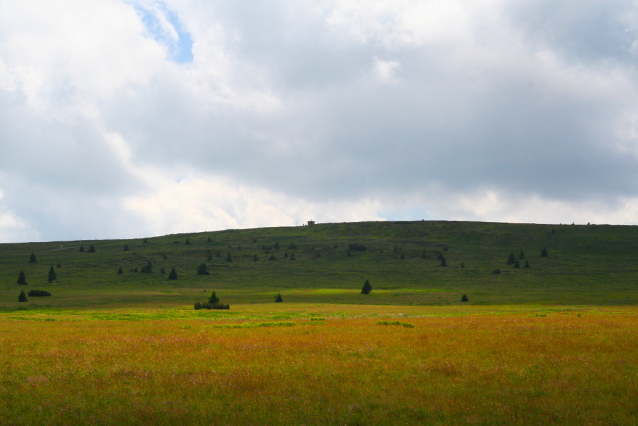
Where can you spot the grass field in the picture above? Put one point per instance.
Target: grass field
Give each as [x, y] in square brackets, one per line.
[552, 344]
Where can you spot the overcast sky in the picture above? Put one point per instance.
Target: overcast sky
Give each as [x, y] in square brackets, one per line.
[124, 118]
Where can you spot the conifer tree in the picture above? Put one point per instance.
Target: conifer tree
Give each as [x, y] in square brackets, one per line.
[278, 299]
[202, 269]
[187, 241]
[544, 252]
[277, 245]
[120, 271]
[521, 255]
[91, 249]
[318, 254]
[526, 264]
[81, 249]
[213, 299]
[423, 254]
[443, 262]
[229, 258]
[511, 259]
[210, 257]
[209, 240]
[173, 274]
[162, 271]
[286, 255]
[22, 297]
[292, 256]
[32, 258]
[22, 279]
[255, 258]
[462, 265]
[396, 249]
[464, 299]
[52, 275]
[516, 264]
[349, 253]
[367, 287]
[125, 247]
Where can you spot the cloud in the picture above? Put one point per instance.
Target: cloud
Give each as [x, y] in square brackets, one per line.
[282, 112]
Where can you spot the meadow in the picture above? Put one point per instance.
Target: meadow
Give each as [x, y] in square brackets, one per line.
[550, 344]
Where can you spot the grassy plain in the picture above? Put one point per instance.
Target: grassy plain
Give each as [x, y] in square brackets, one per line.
[552, 344]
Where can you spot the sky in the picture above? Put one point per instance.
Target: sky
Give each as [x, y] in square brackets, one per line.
[127, 119]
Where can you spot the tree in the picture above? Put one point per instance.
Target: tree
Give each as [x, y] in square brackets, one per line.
[318, 254]
[462, 265]
[210, 257]
[255, 258]
[423, 254]
[32, 258]
[553, 231]
[511, 259]
[367, 287]
[173, 274]
[526, 264]
[516, 264]
[187, 241]
[521, 255]
[91, 249]
[22, 279]
[292, 256]
[229, 258]
[544, 252]
[198, 306]
[403, 256]
[286, 255]
[120, 271]
[209, 240]
[148, 268]
[443, 262]
[396, 249]
[162, 271]
[464, 299]
[278, 299]
[277, 245]
[52, 275]
[58, 266]
[125, 247]
[202, 269]
[213, 299]
[272, 257]
[349, 253]
[81, 249]
[22, 297]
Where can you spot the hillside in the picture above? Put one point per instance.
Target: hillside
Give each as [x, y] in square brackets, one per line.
[587, 264]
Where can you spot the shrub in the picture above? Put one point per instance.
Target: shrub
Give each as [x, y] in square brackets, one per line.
[218, 254]
[162, 271]
[403, 256]
[318, 254]
[52, 275]
[81, 249]
[396, 249]
[202, 269]
[292, 256]
[229, 258]
[496, 271]
[125, 247]
[120, 271]
[209, 240]
[210, 257]
[464, 299]
[22, 297]
[277, 246]
[172, 275]
[443, 262]
[553, 231]
[198, 306]
[187, 242]
[357, 247]
[292, 246]
[511, 259]
[39, 293]
[22, 279]
[91, 249]
[462, 265]
[145, 241]
[278, 299]
[272, 257]
[423, 254]
[135, 269]
[164, 257]
[367, 287]
[544, 252]
[32, 258]
[286, 255]
[444, 248]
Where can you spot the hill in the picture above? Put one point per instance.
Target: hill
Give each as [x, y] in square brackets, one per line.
[586, 264]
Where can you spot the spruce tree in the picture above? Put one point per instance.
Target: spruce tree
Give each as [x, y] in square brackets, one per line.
[187, 241]
[464, 299]
[202, 269]
[521, 255]
[255, 258]
[278, 299]
[125, 247]
[213, 299]
[286, 255]
[162, 271]
[52, 275]
[81, 249]
[349, 253]
[22, 279]
[173, 274]
[544, 252]
[443, 262]
[229, 258]
[423, 254]
[58, 266]
[367, 287]
[91, 249]
[209, 240]
[292, 256]
[210, 257]
[120, 271]
[22, 297]
[462, 265]
[32, 258]
[403, 256]
[526, 264]
[318, 254]
[277, 245]
[516, 264]
[511, 259]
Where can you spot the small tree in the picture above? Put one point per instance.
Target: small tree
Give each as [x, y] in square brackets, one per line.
[349, 254]
[22, 297]
[213, 299]
[464, 299]
[229, 258]
[318, 254]
[544, 252]
[272, 257]
[58, 266]
[396, 249]
[91, 249]
[202, 269]
[125, 247]
[120, 271]
[278, 299]
[22, 279]
[526, 264]
[516, 264]
[286, 255]
[255, 258]
[81, 249]
[367, 287]
[32, 258]
[198, 306]
[277, 245]
[462, 265]
[553, 231]
[496, 271]
[521, 255]
[210, 257]
[423, 254]
[52, 275]
[209, 240]
[511, 259]
[173, 274]
[292, 256]
[148, 268]
[403, 256]
[162, 271]
[187, 241]
[218, 254]
[443, 262]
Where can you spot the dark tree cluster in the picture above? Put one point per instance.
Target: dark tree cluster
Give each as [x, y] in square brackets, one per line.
[202, 269]
[357, 247]
[39, 293]
[148, 268]
[213, 302]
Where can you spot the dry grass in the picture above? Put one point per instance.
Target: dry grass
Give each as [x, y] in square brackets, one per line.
[481, 369]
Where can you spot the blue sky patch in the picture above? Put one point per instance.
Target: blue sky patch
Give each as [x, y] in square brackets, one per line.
[164, 26]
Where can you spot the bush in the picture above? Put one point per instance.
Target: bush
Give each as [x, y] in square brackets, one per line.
[464, 299]
[198, 306]
[120, 271]
[496, 271]
[58, 266]
[396, 249]
[544, 252]
[164, 257]
[443, 262]
[403, 256]
[423, 254]
[255, 258]
[209, 240]
[349, 253]
[207, 305]
[367, 287]
[172, 275]
[462, 265]
[125, 247]
[292, 246]
[22, 297]
[278, 299]
[145, 241]
[277, 246]
[39, 293]
[318, 254]
[81, 249]
[229, 258]
[22, 279]
[210, 257]
[202, 269]
[32, 258]
[357, 247]
[272, 257]
[91, 249]
[292, 256]
[286, 255]
[162, 271]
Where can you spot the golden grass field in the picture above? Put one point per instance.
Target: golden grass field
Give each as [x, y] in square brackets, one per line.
[322, 364]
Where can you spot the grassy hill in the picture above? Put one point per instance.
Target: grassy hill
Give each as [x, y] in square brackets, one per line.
[593, 265]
